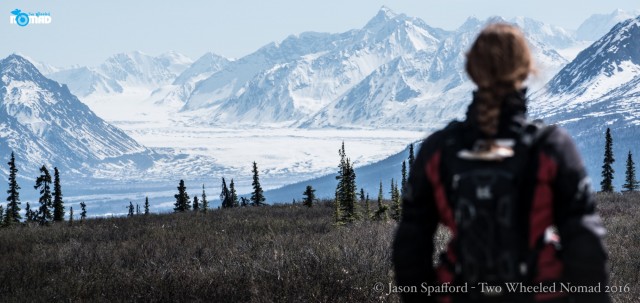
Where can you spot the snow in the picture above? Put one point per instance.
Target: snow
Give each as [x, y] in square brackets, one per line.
[572, 52]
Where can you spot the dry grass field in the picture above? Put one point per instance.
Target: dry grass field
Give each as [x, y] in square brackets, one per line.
[286, 253]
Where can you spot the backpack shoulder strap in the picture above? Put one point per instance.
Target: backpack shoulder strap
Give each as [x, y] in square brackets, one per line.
[535, 133]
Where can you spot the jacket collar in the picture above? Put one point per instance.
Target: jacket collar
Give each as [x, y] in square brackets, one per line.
[512, 114]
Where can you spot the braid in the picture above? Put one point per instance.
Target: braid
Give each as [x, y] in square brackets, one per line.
[498, 62]
[488, 106]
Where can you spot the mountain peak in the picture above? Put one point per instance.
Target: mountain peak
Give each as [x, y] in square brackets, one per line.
[16, 66]
[471, 23]
[387, 12]
[384, 15]
[599, 24]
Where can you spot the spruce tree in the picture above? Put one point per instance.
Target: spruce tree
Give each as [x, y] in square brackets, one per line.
[607, 170]
[205, 203]
[137, 209]
[58, 205]
[630, 183]
[244, 202]
[196, 203]
[337, 211]
[233, 195]
[367, 208]
[309, 196]
[257, 196]
[225, 195]
[83, 211]
[27, 213]
[131, 209]
[43, 182]
[412, 158]
[71, 215]
[31, 215]
[1, 215]
[404, 178]
[395, 201]
[182, 199]
[8, 218]
[381, 213]
[342, 175]
[13, 205]
[346, 190]
[146, 205]
[350, 194]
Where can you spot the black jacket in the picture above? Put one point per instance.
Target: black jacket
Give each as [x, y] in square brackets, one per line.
[572, 209]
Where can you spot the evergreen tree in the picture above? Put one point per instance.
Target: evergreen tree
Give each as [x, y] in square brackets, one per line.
[196, 204]
[83, 211]
[131, 209]
[146, 205]
[205, 203]
[381, 213]
[309, 196]
[412, 158]
[607, 170]
[182, 199]
[630, 183]
[43, 182]
[71, 215]
[27, 213]
[380, 195]
[404, 176]
[13, 205]
[58, 205]
[367, 208]
[337, 211]
[233, 194]
[1, 215]
[137, 209]
[8, 218]
[395, 201]
[225, 195]
[257, 196]
[32, 215]
[346, 190]
[244, 202]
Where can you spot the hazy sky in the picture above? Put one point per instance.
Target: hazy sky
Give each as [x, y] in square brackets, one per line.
[87, 32]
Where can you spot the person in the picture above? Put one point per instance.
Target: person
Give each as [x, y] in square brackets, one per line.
[513, 193]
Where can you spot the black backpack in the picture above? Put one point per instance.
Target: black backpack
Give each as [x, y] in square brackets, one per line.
[487, 194]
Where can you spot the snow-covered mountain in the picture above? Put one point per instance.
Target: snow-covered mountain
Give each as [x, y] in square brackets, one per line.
[608, 69]
[551, 35]
[597, 25]
[423, 89]
[201, 69]
[599, 89]
[174, 95]
[44, 68]
[84, 81]
[229, 82]
[395, 72]
[123, 71]
[294, 90]
[45, 124]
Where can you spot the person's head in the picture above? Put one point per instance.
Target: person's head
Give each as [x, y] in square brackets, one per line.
[498, 62]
